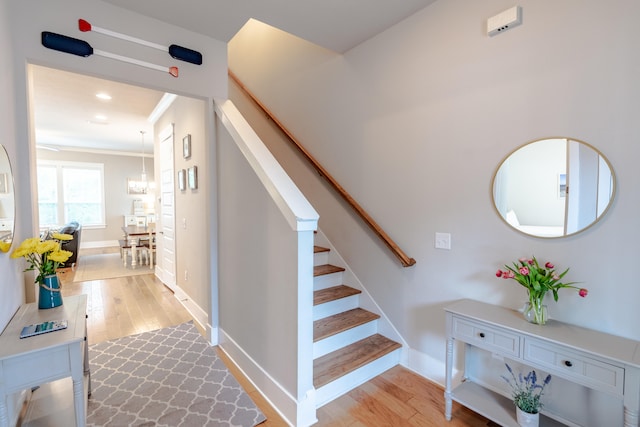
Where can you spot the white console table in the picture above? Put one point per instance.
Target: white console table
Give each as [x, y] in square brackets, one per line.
[601, 364]
[33, 361]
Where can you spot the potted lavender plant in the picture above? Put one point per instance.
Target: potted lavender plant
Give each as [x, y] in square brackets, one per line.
[526, 392]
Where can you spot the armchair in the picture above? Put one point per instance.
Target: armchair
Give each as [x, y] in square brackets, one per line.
[74, 229]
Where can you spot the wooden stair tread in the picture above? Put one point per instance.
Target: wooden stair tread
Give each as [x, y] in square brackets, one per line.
[317, 249]
[334, 293]
[321, 270]
[347, 359]
[323, 328]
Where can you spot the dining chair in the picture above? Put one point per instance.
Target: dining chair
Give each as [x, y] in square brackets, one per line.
[148, 245]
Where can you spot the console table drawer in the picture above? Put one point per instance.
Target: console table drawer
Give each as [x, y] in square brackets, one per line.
[486, 337]
[583, 369]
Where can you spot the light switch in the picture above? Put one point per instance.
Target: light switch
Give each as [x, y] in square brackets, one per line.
[443, 241]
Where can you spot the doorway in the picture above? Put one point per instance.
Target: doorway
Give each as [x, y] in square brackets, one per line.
[83, 122]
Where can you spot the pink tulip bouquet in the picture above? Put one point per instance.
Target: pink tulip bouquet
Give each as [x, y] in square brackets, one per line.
[538, 280]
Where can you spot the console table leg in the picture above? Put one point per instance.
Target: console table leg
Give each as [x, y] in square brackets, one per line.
[78, 399]
[4, 416]
[631, 418]
[449, 374]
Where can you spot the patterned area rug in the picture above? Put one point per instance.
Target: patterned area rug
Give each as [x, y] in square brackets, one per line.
[168, 377]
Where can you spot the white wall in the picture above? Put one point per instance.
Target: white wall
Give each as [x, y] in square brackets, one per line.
[191, 217]
[11, 286]
[414, 122]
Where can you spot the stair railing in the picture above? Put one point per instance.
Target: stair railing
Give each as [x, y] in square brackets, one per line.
[395, 249]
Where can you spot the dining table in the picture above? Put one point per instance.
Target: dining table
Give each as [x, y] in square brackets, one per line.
[132, 234]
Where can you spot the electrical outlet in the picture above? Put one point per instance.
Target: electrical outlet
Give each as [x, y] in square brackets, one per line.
[186, 275]
[443, 241]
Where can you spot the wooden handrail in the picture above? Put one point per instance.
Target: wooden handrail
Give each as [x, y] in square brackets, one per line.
[404, 259]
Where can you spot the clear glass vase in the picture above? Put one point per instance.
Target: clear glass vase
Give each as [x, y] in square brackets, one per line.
[535, 311]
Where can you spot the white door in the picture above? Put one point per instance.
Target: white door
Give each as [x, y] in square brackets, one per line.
[165, 239]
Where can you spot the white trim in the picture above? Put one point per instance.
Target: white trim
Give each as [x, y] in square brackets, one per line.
[294, 206]
[264, 383]
[426, 366]
[72, 149]
[164, 103]
[99, 244]
[198, 314]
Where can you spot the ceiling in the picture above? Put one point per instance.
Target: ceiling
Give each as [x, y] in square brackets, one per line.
[68, 115]
[338, 25]
[66, 106]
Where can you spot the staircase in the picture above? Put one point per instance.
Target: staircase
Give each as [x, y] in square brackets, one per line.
[347, 348]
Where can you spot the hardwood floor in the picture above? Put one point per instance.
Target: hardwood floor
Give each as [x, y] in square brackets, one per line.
[130, 305]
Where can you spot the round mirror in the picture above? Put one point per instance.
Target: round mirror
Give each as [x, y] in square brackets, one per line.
[553, 187]
[7, 202]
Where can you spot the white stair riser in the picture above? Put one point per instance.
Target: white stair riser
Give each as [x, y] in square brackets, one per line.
[321, 258]
[334, 307]
[342, 385]
[327, 281]
[344, 338]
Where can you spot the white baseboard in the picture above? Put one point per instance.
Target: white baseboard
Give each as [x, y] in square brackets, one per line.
[294, 413]
[199, 315]
[426, 366]
[98, 244]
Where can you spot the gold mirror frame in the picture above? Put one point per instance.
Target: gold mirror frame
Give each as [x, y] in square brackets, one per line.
[7, 202]
[553, 187]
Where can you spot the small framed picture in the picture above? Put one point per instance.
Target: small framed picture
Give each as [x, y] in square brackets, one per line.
[193, 177]
[186, 146]
[182, 180]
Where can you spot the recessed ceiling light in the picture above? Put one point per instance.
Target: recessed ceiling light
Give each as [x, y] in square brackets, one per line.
[100, 117]
[104, 96]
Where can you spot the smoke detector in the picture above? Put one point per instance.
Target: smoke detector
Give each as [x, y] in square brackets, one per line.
[504, 21]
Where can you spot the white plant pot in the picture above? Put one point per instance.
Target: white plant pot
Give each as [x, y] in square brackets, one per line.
[527, 420]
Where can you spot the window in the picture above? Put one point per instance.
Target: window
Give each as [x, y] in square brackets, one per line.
[71, 191]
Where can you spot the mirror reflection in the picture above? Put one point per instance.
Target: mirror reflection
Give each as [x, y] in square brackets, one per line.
[7, 201]
[553, 187]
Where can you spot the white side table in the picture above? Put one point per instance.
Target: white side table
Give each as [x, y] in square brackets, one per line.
[600, 364]
[30, 362]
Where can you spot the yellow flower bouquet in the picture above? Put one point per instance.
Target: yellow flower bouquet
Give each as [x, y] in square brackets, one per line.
[45, 256]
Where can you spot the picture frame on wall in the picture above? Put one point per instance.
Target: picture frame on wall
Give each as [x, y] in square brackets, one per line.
[193, 177]
[186, 146]
[182, 181]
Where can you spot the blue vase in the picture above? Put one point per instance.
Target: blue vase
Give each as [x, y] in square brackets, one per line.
[50, 295]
